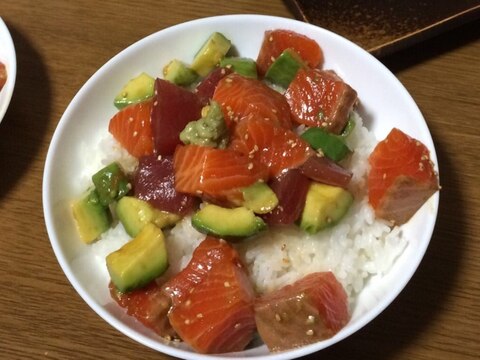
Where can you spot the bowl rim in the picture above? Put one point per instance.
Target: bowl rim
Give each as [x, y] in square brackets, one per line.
[10, 62]
[178, 352]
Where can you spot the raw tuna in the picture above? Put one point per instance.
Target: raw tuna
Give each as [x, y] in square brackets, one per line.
[207, 87]
[149, 305]
[276, 41]
[276, 147]
[320, 98]
[173, 108]
[239, 97]
[326, 171]
[154, 182]
[132, 128]
[401, 178]
[312, 309]
[212, 300]
[291, 188]
[216, 173]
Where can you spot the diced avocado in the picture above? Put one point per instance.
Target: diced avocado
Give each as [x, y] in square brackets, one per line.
[179, 73]
[259, 198]
[139, 261]
[243, 66]
[210, 130]
[135, 90]
[210, 54]
[91, 218]
[135, 213]
[284, 68]
[325, 205]
[347, 130]
[111, 183]
[223, 222]
[331, 145]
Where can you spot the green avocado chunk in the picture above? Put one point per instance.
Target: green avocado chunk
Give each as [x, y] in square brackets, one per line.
[178, 73]
[224, 222]
[139, 261]
[111, 183]
[91, 217]
[135, 214]
[210, 130]
[325, 205]
[284, 68]
[210, 54]
[135, 90]
[243, 66]
[259, 198]
[331, 145]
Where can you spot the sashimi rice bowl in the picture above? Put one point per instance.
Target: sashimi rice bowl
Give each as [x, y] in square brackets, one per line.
[263, 193]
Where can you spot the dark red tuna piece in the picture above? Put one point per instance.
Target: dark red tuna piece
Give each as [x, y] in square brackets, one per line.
[326, 171]
[149, 305]
[154, 182]
[312, 309]
[173, 108]
[212, 300]
[207, 86]
[320, 98]
[291, 188]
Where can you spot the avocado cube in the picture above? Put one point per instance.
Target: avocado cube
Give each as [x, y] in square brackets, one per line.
[91, 217]
[331, 145]
[284, 68]
[111, 183]
[325, 205]
[135, 90]
[178, 73]
[259, 198]
[224, 222]
[210, 54]
[135, 213]
[243, 66]
[139, 261]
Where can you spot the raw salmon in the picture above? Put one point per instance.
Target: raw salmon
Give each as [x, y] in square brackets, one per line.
[149, 305]
[212, 300]
[276, 147]
[320, 98]
[276, 41]
[401, 177]
[132, 128]
[313, 308]
[216, 173]
[239, 97]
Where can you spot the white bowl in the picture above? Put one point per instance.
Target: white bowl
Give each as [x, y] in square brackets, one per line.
[385, 103]
[7, 57]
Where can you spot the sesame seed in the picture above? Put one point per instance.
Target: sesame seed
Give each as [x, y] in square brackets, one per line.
[384, 176]
[272, 58]
[229, 80]
[187, 321]
[130, 119]
[226, 284]
[199, 315]
[309, 332]
[270, 38]
[274, 111]
[159, 157]
[168, 337]
[223, 71]
[250, 166]
[135, 133]
[188, 302]
[310, 319]
[246, 137]
[237, 325]
[278, 317]
[155, 103]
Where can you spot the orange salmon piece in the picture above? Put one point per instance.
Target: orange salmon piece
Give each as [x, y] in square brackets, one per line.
[132, 128]
[275, 147]
[240, 97]
[401, 178]
[212, 300]
[215, 173]
[319, 98]
[276, 41]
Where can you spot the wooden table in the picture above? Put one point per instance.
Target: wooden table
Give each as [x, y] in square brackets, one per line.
[59, 46]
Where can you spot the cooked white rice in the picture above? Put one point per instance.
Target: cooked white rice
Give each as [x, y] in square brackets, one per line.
[359, 247]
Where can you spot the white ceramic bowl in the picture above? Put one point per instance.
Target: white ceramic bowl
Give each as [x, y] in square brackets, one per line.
[7, 57]
[385, 103]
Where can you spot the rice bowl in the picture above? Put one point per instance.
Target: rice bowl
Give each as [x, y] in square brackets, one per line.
[375, 280]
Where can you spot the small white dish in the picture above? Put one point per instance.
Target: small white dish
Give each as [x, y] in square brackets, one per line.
[7, 57]
[385, 104]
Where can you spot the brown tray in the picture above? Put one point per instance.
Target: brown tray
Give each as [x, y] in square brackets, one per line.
[385, 26]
